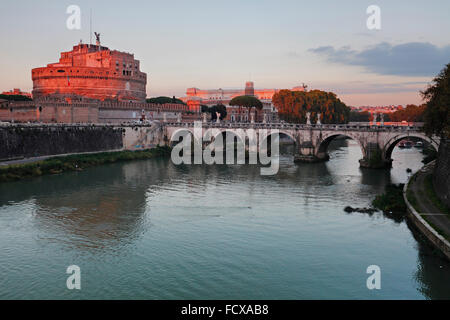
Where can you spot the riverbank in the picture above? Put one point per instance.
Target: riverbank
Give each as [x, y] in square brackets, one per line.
[426, 211]
[75, 162]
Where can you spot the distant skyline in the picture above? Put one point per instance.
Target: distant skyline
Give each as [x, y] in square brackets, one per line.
[223, 44]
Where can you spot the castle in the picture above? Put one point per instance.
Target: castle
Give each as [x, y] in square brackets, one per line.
[90, 84]
[91, 72]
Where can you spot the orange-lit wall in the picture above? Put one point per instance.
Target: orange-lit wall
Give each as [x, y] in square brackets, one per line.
[91, 72]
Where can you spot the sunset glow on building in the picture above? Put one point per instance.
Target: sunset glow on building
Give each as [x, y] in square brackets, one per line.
[91, 72]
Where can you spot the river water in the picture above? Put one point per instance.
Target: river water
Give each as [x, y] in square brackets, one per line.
[153, 230]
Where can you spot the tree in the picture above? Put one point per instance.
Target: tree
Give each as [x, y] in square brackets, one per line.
[411, 113]
[293, 106]
[247, 102]
[204, 108]
[163, 100]
[222, 110]
[213, 110]
[356, 116]
[437, 96]
[15, 97]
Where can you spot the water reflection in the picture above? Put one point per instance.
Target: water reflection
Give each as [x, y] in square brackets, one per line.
[433, 270]
[92, 209]
[152, 211]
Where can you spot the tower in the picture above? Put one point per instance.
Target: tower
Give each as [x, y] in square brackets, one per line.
[249, 88]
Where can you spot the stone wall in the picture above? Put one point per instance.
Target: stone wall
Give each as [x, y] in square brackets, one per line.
[28, 141]
[86, 112]
[111, 115]
[441, 176]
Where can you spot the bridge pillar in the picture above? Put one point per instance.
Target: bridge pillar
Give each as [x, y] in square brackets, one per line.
[306, 153]
[373, 157]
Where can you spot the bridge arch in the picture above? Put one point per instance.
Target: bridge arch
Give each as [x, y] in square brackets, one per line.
[281, 133]
[390, 145]
[322, 150]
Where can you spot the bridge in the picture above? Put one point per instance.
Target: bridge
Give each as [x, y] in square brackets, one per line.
[311, 140]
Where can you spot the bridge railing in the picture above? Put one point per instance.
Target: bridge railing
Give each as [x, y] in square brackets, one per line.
[231, 125]
[296, 126]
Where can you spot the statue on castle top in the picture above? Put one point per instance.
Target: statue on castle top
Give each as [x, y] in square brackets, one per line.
[97, 38]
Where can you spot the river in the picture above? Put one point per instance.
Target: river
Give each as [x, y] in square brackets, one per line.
[152, 230]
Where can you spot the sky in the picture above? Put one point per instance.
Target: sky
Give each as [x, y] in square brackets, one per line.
[222, 44]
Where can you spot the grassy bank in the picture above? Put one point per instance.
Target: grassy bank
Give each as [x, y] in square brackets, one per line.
[391, 201]
[430, 193]
[75, 163]
[432, 196]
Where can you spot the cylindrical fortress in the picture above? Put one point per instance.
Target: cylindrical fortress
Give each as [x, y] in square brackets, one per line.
[91, 72]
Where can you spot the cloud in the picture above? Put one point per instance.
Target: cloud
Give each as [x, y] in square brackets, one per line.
[408, 59]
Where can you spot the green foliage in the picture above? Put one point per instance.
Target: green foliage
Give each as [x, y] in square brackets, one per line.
[221, 109]
[247, 102]
[431, 193]
[204, 108]
[15, 97]
[430, 154]
[412, 198]
[163, 100]
[411, 113]
[213, 110]
[437, 95]
[356, 116]
[293, 106]
[75, 163]
[391, 200]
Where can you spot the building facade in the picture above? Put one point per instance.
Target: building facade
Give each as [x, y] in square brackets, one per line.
[196, 97]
